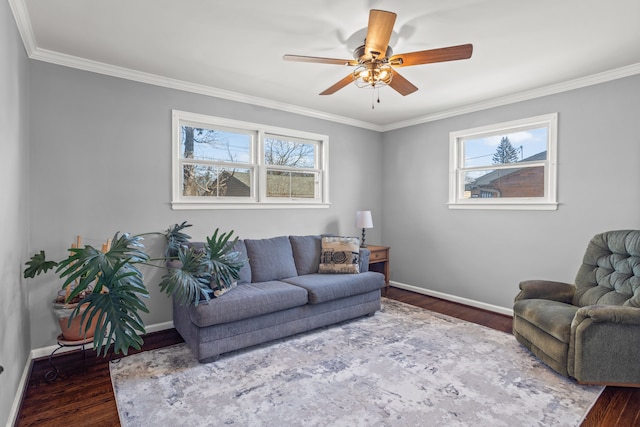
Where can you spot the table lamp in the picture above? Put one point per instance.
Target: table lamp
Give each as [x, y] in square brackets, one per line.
[363, 220]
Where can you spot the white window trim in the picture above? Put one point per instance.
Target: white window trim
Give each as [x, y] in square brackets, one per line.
[456, 184]
[258, 200]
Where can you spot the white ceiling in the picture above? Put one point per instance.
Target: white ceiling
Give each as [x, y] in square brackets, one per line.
[233, 49]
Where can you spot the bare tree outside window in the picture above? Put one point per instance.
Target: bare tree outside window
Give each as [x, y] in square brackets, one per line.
[289, 153]
[285, 158]
[218, 146]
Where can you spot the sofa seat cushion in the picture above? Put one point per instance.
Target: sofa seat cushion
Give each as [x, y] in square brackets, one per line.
[552, 317]
[246, 301]
[329, 287]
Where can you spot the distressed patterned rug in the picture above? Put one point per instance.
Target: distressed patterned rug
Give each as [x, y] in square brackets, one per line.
[404, 366]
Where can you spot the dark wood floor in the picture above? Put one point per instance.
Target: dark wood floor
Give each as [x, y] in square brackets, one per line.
[82, 394]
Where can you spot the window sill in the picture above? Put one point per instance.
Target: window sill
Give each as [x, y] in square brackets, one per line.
[529, 206]
[244, 206]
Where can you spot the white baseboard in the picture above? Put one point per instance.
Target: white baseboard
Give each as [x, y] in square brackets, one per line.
[157, 327]
[453, 298]
[22, 387]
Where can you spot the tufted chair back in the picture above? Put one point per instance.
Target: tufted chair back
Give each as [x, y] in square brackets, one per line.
[610, 271]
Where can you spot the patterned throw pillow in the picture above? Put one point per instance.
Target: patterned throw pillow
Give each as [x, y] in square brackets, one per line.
[340, 255]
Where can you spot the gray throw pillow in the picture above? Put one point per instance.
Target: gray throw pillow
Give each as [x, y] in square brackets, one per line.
[306, 253]
[270, 259]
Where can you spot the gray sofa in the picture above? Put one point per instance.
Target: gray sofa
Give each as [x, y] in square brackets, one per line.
[279, 293]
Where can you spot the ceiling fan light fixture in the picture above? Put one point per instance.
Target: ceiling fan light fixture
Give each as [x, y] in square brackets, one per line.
[372, 75]
[375, 64]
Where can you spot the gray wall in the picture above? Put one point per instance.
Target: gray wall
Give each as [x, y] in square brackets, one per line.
[100, 163]
[483, 255]
[14, 315]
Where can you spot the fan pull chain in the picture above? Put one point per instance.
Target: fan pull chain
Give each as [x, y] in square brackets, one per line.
[373, 98]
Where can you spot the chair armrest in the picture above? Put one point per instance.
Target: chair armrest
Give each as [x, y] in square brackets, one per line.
[608, 314]
[364, 259]
[604, 345]
[546, 289]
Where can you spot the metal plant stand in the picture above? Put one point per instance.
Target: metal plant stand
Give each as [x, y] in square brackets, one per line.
[52, 374]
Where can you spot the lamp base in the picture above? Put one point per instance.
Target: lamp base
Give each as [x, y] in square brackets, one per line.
[362, 243]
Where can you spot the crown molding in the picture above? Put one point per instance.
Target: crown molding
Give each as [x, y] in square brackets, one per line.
[21, 16]
[594, 79]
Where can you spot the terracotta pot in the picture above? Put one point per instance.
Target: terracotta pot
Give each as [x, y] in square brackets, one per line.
[77, 331]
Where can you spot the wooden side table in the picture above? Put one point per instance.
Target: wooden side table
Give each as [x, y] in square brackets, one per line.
[379, 261]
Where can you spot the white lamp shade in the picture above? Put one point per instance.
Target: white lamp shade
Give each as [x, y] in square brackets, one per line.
[363, 219]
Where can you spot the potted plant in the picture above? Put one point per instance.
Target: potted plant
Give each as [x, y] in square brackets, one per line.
[114, 289]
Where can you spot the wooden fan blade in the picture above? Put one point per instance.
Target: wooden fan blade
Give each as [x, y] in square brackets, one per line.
[444, 54]
[336, 87]
[319, 60]
[378, 33]
[403, 86]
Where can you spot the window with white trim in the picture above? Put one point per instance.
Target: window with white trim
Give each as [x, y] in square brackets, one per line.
[505, 166]
[224, 163]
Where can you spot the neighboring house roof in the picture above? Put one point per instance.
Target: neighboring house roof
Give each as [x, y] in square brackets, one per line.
[501, 173]
[236, 184]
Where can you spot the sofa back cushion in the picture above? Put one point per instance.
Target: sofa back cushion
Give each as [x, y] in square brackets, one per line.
[306, 253]
[270, 259]
[245, 271]
[610, 270]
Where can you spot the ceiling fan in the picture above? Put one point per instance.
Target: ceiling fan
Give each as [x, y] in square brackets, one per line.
[375, 62]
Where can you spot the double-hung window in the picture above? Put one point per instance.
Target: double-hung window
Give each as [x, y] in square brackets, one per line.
[505, 166]
[223, 163]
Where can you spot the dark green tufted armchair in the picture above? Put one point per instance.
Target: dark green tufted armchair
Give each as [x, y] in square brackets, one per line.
[591, 330]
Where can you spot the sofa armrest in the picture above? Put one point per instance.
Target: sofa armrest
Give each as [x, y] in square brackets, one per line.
[364, 259]
[546, 289]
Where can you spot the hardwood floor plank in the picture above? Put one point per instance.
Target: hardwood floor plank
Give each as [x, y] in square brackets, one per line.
[82, 395]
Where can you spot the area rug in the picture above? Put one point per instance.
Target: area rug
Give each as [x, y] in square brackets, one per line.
[404, 366]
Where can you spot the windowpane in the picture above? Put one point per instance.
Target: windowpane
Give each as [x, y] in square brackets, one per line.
[500, 183]
[511, 147]
[291, 184]
[213, 181]
[228, 164]
[215, 145]
[510, 165]
[285, 152]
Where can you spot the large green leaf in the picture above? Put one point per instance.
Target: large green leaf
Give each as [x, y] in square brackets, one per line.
[85, 265]
[117, 310]
[224, 263]
[176, 239]
[117, 322]
[38, 264]
[189, 279]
